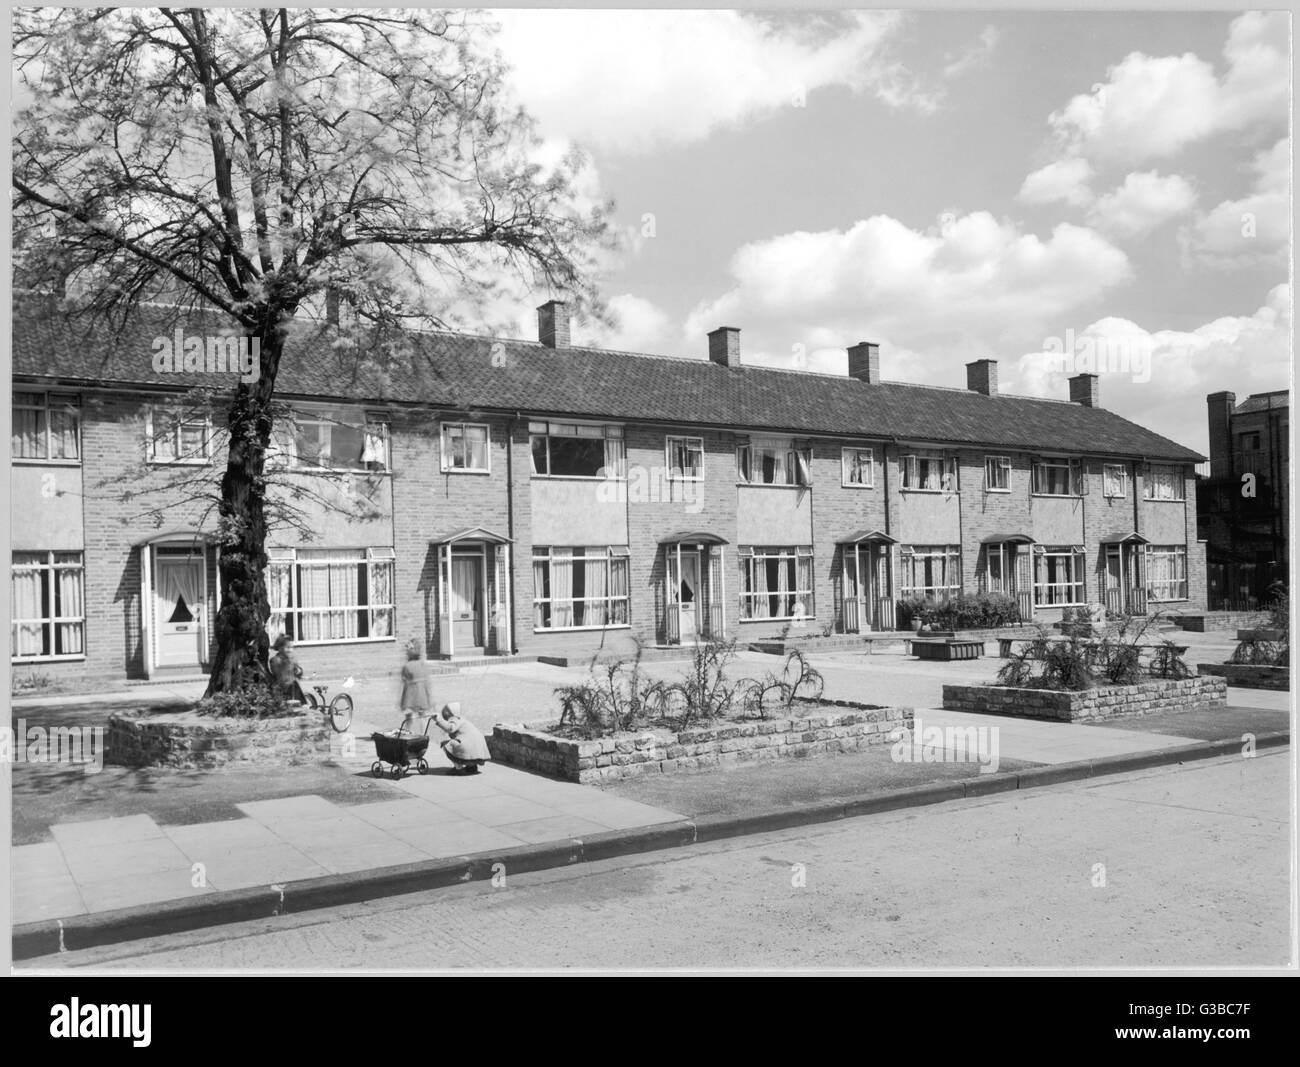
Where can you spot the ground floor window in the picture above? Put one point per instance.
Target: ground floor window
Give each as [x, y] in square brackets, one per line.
[48, 610]
[1167, 572]
[580, 587]
[1058, 575]
[930, 571]
[776, 583]
[332, 594]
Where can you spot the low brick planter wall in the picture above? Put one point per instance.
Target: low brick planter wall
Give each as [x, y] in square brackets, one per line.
[1248, 675]
[843, 727]
[1262, 633]
[1104, 702]
[1222, 620]
[188, 741]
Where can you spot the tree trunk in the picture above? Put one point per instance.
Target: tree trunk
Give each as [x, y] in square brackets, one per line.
[242, 642]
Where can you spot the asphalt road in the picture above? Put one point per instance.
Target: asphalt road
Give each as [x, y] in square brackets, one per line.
[1178, 866]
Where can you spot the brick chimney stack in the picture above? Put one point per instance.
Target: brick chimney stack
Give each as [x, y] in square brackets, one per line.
[982, 376]
[864, 362]
[724, 346]
[553, 324]
[1221, 406]
[1084, 390]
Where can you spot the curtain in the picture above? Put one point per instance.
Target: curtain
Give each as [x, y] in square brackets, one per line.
[758, 586]
[801, 466]
[540, 615]
[744, 463]
[784, 602]
[278, 576]
[781, 472]
[28, 637]
[614, 457]
[805, 584]
[596, 589]
[478, 447]
[931, 468]
[381, 594]
[373, 446]
[27, 439]
[178, 582]
[618, 587]
[69, 586]
[561, 591]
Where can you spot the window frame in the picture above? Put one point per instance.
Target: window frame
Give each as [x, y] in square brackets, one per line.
[610, 432]
[1076, 476]
[177, 425]
[1000, 463]
[548, 554]
[372, 556]
[1078, 557]
[372, 427]
[48, 569]
[677, 474]
[847, 482]
[449, 468]
[909, 554]
[1178, 553]
[1106, 468]
[909, 470]
[747, 555]
[1149, 483]
[49, 400]
[797, 477]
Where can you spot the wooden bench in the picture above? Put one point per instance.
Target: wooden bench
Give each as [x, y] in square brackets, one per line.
[946, 649]
[1005, 643]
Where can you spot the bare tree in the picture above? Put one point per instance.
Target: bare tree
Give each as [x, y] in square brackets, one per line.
[253, 161]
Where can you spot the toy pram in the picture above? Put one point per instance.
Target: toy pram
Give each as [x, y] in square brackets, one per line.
[400, 749]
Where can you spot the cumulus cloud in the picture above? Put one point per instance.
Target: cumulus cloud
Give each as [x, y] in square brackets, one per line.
[973, 280]
[638, 325]
[1243, 353]
[1253, 229]
[635, 80]
[975, 56]
[1153, 106]
[1143, 202]
[1064, 181]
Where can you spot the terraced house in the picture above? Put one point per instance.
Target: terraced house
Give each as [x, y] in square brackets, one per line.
[494, 497]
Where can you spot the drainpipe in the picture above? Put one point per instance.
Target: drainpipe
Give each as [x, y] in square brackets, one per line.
[510, 527]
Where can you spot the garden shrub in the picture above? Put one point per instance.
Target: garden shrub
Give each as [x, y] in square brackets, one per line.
[248, 702]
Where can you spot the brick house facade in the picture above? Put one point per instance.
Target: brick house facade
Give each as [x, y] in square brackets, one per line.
[490, 497]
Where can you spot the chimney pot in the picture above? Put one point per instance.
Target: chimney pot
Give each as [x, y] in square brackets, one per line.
[982, 376]
[1084, 390]
[724, 346]
[864, 362]
[553, 324]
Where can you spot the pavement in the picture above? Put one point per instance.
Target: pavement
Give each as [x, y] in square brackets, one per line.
[97, 875]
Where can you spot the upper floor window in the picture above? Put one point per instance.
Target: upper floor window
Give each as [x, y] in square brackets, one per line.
[1249, 442]
[1114, 480]
[1058, 476]
[339, 440]
[686, 458]
[46, 426]
[856, 468]
[1163, 482]
[178, 438]
[773, 463]
[930, 471]
[997, 474]
[465, 446]
[577, 450]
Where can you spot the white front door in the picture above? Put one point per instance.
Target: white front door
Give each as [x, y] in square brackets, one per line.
[178, 607]
[467, 601]
[684, 590]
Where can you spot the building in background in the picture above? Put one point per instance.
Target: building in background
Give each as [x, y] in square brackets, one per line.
[1242, 506]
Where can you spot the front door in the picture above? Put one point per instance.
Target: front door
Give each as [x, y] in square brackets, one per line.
[684, 591]
[467, 601]
[857, 595]
[178, 603]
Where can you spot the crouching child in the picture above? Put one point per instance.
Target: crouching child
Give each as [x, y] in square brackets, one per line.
[465, 746]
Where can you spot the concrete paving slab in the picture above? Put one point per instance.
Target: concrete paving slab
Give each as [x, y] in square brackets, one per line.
[106, 863]
[498, 810]
[343, 859]
[1278, 699]
[202, 839]
[554, 828]
[289, 809]
[139, 889]
[389, 814]
[340, 830]
[455, 837]
[106, 831]
[45, 897]
[616, 813]
[441, 787]
[42, 860]
[268, 865]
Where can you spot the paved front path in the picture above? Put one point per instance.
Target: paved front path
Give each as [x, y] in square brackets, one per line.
[1180, 866]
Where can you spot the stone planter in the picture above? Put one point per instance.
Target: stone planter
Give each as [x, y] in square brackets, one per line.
[1102, 702]
[1262, 633]
[1248, 675]
[843, 727]
[193, 742]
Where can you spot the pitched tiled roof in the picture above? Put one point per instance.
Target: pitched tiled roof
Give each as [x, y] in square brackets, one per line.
[468, 373]
[1264, 402]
